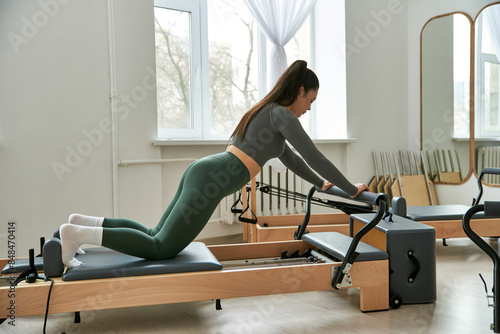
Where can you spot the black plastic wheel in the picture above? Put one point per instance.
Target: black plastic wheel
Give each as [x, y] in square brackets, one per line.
[395, 301]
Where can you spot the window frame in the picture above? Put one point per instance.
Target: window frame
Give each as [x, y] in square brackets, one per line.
[200, 89]
[197, 68]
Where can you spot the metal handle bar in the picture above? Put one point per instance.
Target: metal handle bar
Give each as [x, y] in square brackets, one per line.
[365, 196]
[486, 170]
[491, 170]
[380, 200]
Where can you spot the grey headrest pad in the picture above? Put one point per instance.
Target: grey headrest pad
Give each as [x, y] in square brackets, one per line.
[438, 212]
[52, 261]
[105, 263]
[399, 206]
[337, 245]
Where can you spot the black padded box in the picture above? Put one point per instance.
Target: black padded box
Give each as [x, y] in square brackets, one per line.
[412, 255]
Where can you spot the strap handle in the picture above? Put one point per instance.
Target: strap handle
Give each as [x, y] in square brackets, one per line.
[241, 212]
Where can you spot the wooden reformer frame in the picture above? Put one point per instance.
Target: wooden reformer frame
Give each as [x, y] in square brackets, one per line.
[372, 277]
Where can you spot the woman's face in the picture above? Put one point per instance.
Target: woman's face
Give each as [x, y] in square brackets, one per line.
[303, 102]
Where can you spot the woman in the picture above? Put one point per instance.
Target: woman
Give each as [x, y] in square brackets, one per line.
[261, 135]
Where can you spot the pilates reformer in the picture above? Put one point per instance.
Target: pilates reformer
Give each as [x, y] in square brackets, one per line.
[447, 219]
[108, 279]
[409, 244]
[490, 210]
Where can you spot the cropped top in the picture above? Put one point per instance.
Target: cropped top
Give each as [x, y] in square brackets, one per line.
[266, 136]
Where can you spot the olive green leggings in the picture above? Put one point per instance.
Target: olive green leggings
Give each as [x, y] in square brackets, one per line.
[204, 184]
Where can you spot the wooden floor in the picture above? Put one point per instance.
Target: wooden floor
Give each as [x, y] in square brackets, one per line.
[461, 308]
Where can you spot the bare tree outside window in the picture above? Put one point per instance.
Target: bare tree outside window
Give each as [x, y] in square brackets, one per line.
[233, 65]
[233, 81]
[173, 68]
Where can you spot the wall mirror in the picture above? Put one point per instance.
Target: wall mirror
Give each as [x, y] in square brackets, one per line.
[445, 79]
[486, 90]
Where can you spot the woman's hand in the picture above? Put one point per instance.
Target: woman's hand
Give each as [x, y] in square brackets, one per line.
[361, 187]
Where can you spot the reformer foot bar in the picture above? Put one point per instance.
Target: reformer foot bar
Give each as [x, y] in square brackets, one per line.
[202, 273]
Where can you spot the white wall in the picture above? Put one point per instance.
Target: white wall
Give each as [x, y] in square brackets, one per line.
[55, 88]
[139, 187]
[376, 34]
[329, 65]
[55, 128]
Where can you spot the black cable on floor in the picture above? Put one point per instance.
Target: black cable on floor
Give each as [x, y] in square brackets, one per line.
[48, 303]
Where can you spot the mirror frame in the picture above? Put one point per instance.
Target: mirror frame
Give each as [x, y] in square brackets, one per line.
[471, 95]
[473, 73]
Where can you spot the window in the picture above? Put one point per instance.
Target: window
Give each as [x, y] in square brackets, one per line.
[178, 68]
[211, 66]
[233, 65]
[487, 83]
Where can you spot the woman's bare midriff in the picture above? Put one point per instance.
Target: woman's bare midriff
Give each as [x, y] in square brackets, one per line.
[252, 166]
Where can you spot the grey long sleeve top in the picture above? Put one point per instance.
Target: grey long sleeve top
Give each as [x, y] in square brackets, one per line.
[266, 138]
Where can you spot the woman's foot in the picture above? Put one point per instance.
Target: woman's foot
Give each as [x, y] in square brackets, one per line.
[79, 251]
[69, 245]
[73, 236]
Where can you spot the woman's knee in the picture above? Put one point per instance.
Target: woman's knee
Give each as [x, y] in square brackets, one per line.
[162, 255]
[163, 251]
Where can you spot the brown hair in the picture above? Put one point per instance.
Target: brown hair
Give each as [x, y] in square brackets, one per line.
[284, 92]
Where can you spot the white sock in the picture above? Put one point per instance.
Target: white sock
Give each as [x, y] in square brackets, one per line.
[73, 236]
[78, 219]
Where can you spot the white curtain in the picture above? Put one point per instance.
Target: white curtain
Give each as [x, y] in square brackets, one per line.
[492, 14]
[279, 20]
